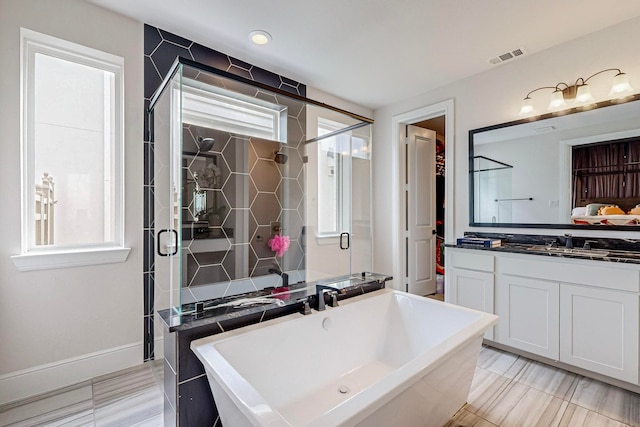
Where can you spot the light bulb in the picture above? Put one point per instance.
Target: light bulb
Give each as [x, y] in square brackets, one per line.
[260, 37]
[583, 95]
[527, 107]
[557, 100]
[620, 87]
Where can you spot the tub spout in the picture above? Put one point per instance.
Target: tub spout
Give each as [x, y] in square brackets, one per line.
[333, 292]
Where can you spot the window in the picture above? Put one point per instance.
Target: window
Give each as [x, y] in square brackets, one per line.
[232, 112]
[335, 156]
[72, 154]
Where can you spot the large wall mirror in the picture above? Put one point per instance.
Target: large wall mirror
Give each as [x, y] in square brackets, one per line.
[578, 170]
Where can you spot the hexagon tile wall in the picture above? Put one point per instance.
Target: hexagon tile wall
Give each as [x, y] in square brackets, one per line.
[275, 192]
[250, 192]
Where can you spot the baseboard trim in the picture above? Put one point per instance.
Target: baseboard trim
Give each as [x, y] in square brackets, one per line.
[52, 376]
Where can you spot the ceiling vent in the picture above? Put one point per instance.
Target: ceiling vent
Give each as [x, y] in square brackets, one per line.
[507, 56]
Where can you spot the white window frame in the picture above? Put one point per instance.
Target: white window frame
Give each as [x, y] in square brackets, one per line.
[342, 173]
[34, 257]
[231, 112]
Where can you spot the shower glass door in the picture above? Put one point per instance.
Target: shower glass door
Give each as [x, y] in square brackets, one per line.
[236, 209]
[338, 190]
[167, 145]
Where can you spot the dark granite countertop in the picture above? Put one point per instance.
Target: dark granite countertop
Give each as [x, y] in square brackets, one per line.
[269, 302]
[600, 249]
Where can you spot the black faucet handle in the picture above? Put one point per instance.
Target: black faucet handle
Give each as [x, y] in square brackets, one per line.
[306, 308]
[587, 244]
[333, 302]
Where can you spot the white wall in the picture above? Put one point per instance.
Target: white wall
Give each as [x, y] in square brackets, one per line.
[490, 98]
[66, 325]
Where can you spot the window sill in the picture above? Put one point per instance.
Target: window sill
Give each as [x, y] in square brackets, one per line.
[69, 258]
[328, 239]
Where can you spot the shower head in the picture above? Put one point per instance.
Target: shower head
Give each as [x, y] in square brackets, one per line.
[205, 144]
[280, 158]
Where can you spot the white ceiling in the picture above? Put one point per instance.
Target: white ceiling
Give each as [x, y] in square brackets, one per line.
[376, 52]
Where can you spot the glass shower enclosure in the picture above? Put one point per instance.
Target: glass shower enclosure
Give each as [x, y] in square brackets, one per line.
[492, 190]
[242, 169]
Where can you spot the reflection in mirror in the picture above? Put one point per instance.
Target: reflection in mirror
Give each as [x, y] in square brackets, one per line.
[493, 190]
[557, 172]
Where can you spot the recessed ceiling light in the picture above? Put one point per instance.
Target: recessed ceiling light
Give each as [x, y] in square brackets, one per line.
[260, 37]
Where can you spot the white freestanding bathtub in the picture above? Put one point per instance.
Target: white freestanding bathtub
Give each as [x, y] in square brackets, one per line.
[382, 359]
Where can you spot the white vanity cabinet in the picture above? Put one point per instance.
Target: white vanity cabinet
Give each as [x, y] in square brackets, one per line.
[470, 281]
[529, 314]
[599, 330]
[580, 312]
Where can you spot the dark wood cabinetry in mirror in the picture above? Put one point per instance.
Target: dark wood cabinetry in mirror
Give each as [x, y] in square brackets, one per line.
[576, 170]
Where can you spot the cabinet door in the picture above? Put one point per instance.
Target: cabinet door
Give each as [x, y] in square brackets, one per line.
[599, 330]
[529, 314]
[471, 289]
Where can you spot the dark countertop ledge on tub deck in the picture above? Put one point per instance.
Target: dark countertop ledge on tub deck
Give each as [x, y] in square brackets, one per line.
[601, 249]
[291, 300]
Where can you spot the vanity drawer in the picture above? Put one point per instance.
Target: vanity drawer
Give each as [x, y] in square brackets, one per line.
[567, 272]
[470, 260]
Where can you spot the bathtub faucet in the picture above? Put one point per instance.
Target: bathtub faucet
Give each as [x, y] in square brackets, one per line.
[333, 293]
[285, 276]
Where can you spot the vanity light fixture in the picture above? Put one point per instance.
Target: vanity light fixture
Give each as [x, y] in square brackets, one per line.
[579, 93]
[260, 37]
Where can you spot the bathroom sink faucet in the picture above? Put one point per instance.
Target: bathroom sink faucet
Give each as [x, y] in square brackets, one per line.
[333, 302]
[285, 276]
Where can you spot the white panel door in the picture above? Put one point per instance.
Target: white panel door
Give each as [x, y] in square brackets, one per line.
[599, 330]
[421, 214]
[471, 289]
[529, 315]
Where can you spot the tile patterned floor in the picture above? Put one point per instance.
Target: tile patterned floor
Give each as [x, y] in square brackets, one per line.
[512, 391]
[507, 391]
[132, 397]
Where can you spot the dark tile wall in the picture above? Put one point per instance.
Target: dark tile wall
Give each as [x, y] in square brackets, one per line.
[182, 405]
[275, 196]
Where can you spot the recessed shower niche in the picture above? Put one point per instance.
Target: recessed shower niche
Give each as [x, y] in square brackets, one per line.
[237, 163]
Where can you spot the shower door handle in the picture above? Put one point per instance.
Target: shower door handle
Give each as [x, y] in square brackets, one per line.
[170, 246]
[344, 246]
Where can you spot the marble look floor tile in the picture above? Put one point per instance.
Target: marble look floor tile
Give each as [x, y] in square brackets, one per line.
[157, 368]
[501, 362]
[612, 402]
[485, 386]
[156, 421]
[551, 380]
[577, 416]
[519, 405]
[84, 421]
[129, 399]
[464, 418]
[68, 404]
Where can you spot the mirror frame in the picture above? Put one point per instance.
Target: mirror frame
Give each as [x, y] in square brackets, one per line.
[541, 117]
